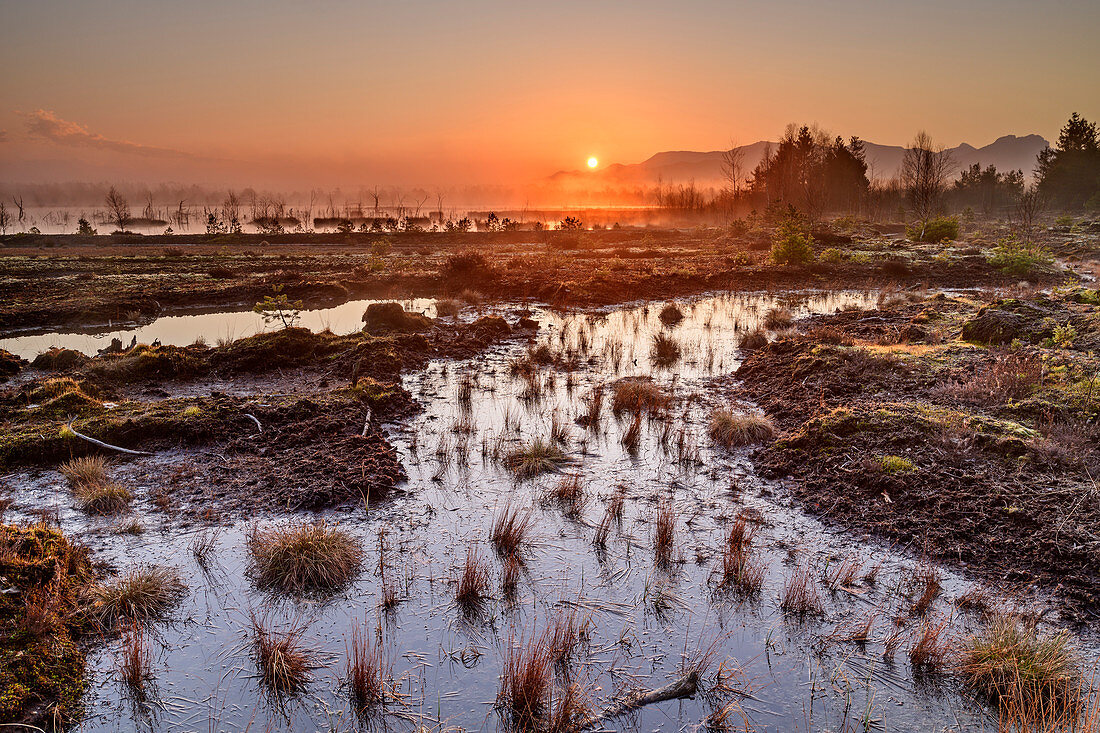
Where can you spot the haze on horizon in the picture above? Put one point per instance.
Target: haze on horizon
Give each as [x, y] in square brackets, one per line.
[416, 93]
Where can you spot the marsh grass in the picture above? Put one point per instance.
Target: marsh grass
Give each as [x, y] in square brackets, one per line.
[665, 350]
[800, 594]
[135, 666]
[281, 658]
[538, 456]
[304, 558]
[569, 495]
[510, 575]
[753, 340]
[93, 488]
[146, 592]
[511, 531]
[778, 319]
[664, 532]
[931, 646]
[633, 435]
[739, 569]
[730, 430]
[924, 588]
[472, 587]
[1016, 666]
[638, 394]
[525, 683]
[366, 670]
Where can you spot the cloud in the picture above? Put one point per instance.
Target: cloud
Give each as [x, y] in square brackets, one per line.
[45, 125]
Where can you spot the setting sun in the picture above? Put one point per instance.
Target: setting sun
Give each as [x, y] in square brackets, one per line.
[592, 162]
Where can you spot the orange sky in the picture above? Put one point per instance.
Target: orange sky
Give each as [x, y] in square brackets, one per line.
[348, 93]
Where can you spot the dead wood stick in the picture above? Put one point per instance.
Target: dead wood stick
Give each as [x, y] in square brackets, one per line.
[366, 424]
[686, 686]
[256, 420]
[101, 444]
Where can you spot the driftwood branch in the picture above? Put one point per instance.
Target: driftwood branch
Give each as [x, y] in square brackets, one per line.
[366, 424]
[101, 444]
[256, 420]
[686, 686]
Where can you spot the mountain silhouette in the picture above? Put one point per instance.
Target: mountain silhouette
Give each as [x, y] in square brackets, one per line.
[884, 161]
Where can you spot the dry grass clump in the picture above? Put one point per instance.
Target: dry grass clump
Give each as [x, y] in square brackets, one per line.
[778, 319]
[666, 350]
[638, 394]
[366, 670]
[509, 575]
[511, 531]
[1008, 374]
[800, 594]
[283, 661]
[753, 340]
[86, 470]
[93, 488]
[304, 558]
[538, 456]
[591, 417]
[473, 581]
[671, 314]
[525, 683]
[664, 532]
[571, 712]
[135, 663]
[632, 437]
[931, 646]
[146, 592]
[925, 584]
[731, 430]
[447, 307]
[739, 569]
[845, 574]
[1014, 664]
[570, 496]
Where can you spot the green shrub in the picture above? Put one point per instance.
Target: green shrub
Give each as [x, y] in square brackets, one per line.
[936, 229]
[832, 254]
[1019, 260]
[1064, 336]
[792, 243]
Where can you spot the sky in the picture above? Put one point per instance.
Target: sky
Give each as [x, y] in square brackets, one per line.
[334, 92]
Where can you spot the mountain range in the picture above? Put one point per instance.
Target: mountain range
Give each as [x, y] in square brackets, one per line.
[884, 161]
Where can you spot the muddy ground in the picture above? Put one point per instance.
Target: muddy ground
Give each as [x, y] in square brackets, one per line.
[96, 280]
[963, 430]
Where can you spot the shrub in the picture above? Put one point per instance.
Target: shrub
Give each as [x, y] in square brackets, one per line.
[465, 265]
[792, 243]
[896, 464]
[1019, 260]
[936, 229]
[308, 557]
[538, 456]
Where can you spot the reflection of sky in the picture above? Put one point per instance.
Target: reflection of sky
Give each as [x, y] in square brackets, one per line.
[184, 330]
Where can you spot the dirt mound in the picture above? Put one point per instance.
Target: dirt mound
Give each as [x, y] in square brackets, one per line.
[1008, 320]
[151, 362]
[58, 360]
[957, 486]
[286, 347]
[10, 364]
[42, 666]
[383, 317]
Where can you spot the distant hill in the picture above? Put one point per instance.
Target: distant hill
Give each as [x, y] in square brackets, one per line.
[705, 168]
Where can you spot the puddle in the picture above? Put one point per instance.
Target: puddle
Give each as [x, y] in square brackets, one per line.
[642, 619]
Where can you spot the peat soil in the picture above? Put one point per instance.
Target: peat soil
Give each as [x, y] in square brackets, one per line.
[966, 431]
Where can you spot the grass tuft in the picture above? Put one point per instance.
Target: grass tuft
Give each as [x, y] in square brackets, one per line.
[146, 592]
[366, 670]
[638, 394]
[538, 456]
[511, 532]
[283, 661]
[800, 595]
[304, 558]
[731, 430]
[664, 532]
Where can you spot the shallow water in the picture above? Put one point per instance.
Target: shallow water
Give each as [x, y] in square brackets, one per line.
[786, 673]
[184, 330]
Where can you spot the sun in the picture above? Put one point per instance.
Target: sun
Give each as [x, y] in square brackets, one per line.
[592, 162]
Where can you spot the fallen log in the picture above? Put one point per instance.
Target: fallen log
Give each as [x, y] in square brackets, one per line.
[101, 444]
[686, 686]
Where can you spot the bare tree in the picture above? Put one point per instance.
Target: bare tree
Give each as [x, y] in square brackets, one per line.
[5, 219]
[1025, 213]
[925, 168]
[118, 210]
[21, 215]
[733, 173]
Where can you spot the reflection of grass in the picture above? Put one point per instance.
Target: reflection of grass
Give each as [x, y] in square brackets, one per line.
[666, 349]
